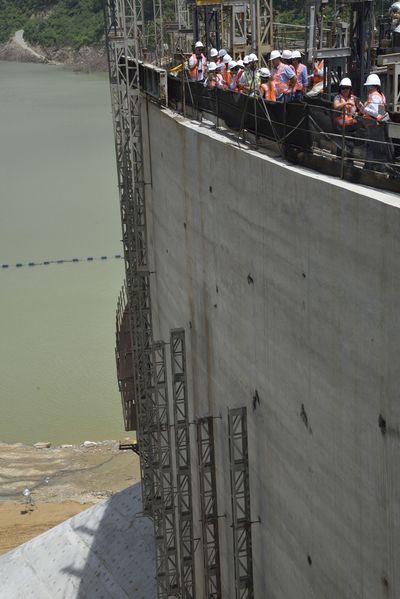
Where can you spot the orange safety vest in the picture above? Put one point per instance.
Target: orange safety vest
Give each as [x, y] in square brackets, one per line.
[298, 86]
[382, 101]
[227, 76]
[267, 91]
[193, 72]
[281, 87]
[345, 115]
[318, 67]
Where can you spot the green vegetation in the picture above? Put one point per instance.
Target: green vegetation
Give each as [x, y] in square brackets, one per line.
[53, 23]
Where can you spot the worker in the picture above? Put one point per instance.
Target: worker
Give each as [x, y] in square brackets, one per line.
[211, 82]
[241, 70]
[234, 70]
[374, 108]
[221, 55]
[198, 63]
[213, 55]
[219, 75]
[225, 71]
[318, 72]
[301, 76]
[267, 88]
[374, 111]
[250, 80]
[346, 105]
[283, 77]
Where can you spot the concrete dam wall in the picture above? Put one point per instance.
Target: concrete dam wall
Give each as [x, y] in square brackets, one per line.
[287, 284]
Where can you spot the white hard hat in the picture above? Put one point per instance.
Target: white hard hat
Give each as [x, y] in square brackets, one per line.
[226, 59]
[213, 53]
[373, 80]
[287, 54]
[253, 57]
[240, 63]
[275, 54]
[246, 60]
[232, 64]
[296, 54]
[211, 66]
[199, 45]
[394, 8]
[222, 52]
[346, 82]
[264, 72]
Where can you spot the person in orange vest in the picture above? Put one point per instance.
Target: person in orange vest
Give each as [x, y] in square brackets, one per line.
[267, 88]
[234, 69]
[283, 77]
[318, 72]
[241, 70]
[375, 113]
[301, 76]
[198, 63]
[225, 71]
[211, 82]
[346, 105]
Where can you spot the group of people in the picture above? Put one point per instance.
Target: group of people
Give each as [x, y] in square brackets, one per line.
[287, 79]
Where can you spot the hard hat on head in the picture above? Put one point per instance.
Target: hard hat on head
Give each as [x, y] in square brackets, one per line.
[213, 53]
[211, 67]
[199, 45]
[394, 8]
[232, 64]
[240, 63]
[346, 82]
[226, 59]
[296, 54]
[246, 60]
[253, 57]
[222, 52]
[264, 72]
[373, 80]
[287, 54]
[275, 54]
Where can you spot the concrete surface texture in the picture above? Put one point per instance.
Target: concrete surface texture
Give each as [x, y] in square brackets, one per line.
[105, 552]
[286, 282]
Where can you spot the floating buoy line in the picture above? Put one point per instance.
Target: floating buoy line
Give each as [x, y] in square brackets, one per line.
[61, 261]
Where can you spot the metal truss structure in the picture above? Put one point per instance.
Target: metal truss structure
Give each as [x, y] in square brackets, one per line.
[123, 36]
[158, 31]
[241, 516]
[183, 463]
[264, 29]
[163, 508]
[209, 508]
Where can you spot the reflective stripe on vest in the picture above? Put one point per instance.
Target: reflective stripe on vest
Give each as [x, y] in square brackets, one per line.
[345, 114]
[281, 87]
[382, 105]
[298, 86]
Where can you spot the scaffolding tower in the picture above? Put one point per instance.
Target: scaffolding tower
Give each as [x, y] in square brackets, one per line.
[124, 33]
[183, 463]
[241, 516]
[209, 508]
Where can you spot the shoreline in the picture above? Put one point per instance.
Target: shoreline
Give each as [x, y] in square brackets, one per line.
[62, 481]
[88, 59]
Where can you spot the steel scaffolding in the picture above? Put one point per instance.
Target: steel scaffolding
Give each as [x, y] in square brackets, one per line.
[209, 508]
[183, 463]
[163, 503]
[124, 19]
[158, 31]
[241, 516]
[123, 357]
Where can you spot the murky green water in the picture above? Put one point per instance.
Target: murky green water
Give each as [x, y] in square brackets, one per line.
[58, 199]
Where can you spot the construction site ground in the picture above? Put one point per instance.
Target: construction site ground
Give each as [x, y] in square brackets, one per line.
[62, 481]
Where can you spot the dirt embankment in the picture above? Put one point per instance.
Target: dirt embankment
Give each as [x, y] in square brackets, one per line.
[62, 482]
[86, 58]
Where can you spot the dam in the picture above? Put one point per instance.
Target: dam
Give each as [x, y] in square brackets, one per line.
[257, 336]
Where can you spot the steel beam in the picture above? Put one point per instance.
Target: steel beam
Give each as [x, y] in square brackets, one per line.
[209, 508]
[183, 463]
[241, 516]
